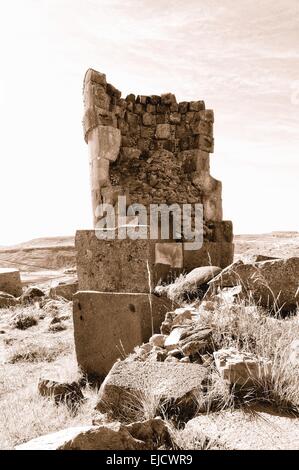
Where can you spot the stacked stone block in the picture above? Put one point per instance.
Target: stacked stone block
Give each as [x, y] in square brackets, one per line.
[153, 150]
[151, 147]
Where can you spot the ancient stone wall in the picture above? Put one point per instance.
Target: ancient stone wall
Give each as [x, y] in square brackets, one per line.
[150, 148]
[153, 150]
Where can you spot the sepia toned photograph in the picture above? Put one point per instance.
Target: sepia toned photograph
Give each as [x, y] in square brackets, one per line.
[149, 234]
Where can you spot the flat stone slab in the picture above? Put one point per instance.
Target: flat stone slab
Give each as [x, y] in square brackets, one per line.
[108, 325]
[143, 435]
[169, 383]
[239, 430]
[10, 281]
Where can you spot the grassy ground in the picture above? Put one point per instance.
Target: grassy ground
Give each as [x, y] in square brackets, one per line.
[38, 342]
[25, 356]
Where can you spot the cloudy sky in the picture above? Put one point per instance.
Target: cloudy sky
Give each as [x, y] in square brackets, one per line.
[241, 57]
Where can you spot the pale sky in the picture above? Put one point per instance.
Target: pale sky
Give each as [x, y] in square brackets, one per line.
[241, 57]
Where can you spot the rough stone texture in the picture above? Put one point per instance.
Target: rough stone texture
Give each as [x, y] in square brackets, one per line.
[253, 430]
[172, 341]
[111, 436]
[32, 294]
[171, 383]
[108, 326]
[241, 369]
[114, 266]
[124, 265]
[157, 340]
[202, 275]
[64, 289]
[7, 300]
[195, 340]
[154, 150]
[10, 281]
[273, 283]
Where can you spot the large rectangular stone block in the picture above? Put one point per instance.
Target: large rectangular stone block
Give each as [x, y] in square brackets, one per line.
[108, 326]
[116, 265]
[10, 281]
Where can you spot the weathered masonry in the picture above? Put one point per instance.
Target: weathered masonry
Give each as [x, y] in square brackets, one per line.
[153, 150]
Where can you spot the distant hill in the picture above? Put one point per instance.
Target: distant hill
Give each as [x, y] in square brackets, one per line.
[51, 253]
[279, 244]
[58, 253]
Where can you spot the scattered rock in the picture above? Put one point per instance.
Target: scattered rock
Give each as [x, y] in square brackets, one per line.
[157, 340]
[178, 317]
[252, 430]
[56, 327]
[64, 289]
[154, 432]
[185, 360]
[167, 323]
[172, 384]
[273, 283]
[199, 276]
[241, 369]
[193, 284]
[182, 316]
[146, 435]
[294, 353]
[70, 393]
[31, 295]
[7, 300]
[172, 341]
[172, 359]
[196, 341]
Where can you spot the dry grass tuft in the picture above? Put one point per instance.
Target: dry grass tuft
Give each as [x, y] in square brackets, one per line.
[25, 318]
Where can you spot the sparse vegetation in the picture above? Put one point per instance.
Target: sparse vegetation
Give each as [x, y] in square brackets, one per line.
[250, 329]
[33, 351]
[25, 318]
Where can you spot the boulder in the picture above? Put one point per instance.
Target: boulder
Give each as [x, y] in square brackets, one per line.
[182, 316]
[239, 430]
[196, 340]
[193, 283]
[241, 369]
[179, 317]
[32, 294]
[172, 341]
[10, 281]
[147, 435]
[7, 300]
[199, 276]
[174, 385]
[64, 289]
[273, 283]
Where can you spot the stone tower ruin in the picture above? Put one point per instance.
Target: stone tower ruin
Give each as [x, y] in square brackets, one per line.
[152, 150]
